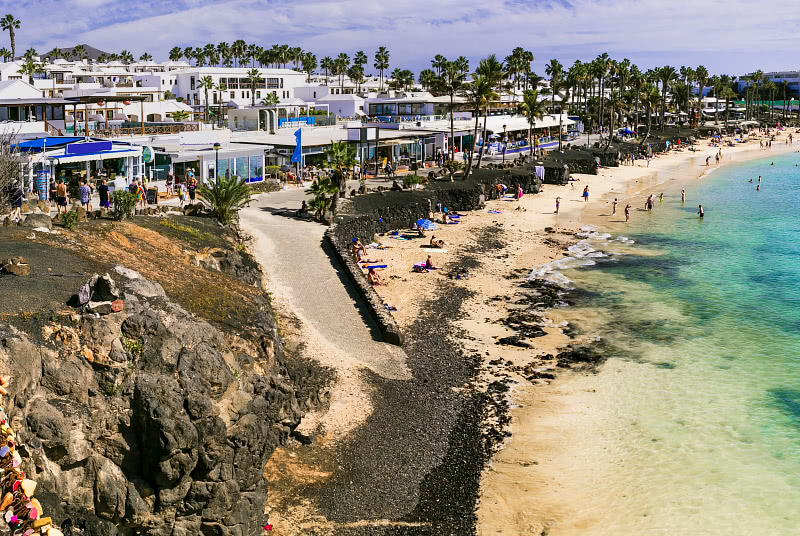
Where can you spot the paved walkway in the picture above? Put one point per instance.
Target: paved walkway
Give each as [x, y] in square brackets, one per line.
[315, 286]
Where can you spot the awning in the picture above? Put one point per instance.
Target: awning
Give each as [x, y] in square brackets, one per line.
[49, 142]
[91, 157]
[400, 141]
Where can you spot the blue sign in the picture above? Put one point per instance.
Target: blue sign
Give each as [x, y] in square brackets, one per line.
[297, 155]
[88, 147]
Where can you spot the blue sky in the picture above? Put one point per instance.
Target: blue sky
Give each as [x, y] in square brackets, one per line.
[727, 36]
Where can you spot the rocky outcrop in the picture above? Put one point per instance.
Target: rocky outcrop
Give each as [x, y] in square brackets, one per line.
[150, 420]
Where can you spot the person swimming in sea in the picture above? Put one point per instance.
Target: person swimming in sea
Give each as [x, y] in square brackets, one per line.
[661, 198]
[758, 187]
[700, 210]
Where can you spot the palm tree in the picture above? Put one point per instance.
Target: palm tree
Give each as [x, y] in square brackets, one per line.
[225, 197]
[31, 68]
[479, 93]
[665, 75]
[601, 66]
[450, 82]
[381, 63]
[220, 88]
[180, 115]
[650, 98]
[175, 53]
[270, 100]
[127, 57]
[327, 66]
[238, 50]
[426, 78]
[701, 77]
[210, 54]
[341, 63]
[784, 85]
[438, 63]
[533, 109]
[309, 64]
[493, 70]
[356, 75]
[5, 54]
[555, 71]
[10, 24]
[727, 94]
[206, 83]
[324, 192]
[359, 58]
[341, 157]
[253, 76]
[224, 52]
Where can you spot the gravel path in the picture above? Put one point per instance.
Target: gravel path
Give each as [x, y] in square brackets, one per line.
[315, 286]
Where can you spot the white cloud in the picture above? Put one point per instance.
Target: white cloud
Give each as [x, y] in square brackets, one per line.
[735, 38]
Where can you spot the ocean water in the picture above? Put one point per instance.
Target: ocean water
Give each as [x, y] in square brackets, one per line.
[696, 417]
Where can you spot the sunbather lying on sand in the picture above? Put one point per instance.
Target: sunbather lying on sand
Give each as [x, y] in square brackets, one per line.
[436, 243]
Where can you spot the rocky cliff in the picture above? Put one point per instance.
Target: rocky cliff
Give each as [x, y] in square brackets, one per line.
[150, 420]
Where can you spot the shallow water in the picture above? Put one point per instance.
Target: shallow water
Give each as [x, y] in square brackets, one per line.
[696, 422]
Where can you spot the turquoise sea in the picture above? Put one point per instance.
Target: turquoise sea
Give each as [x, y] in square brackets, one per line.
[697, 427]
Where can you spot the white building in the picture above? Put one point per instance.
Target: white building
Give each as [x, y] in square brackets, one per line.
[280, 82]
[343, 106]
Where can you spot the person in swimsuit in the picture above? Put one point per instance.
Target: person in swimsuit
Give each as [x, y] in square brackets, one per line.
[627, 213]
[558, 204]
[374, 278]
[436, 243]
[429, 264]
[661, 198]
[683, 196]
[586, 193]
[758, 187]
[614, 207]
[61, 196]
[700, 210]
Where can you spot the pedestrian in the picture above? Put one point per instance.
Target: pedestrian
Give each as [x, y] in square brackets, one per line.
[102, 190]
[707, 159]
[627, 213]
[661, 198]
[181, 193]
[16, 196]
[192, 187]
[614, 207]
[586, 193]
[700, 211]
[61, 196]
[558, 204]
[86, 196]
[170, 182]
[683, 196]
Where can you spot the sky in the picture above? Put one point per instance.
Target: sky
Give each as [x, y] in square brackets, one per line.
[727, 36]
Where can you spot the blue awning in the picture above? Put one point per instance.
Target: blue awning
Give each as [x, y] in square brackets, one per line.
[118, 153]
[51, 142]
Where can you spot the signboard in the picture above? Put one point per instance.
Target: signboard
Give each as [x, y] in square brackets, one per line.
[147, 154]
[88, 147]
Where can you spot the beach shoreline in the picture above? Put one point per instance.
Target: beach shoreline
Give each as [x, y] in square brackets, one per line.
[547, 420]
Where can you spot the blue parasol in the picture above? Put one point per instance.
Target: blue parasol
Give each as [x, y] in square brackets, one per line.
[427, 225]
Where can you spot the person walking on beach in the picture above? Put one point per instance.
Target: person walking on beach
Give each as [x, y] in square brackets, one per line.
[627, 213]
[86, 196]
[700, 211]
[707, 159]
[614, 207]
[683, 196]
[661, 198]
[558, 204]
[586, 193]
[61, 196]
[717, 158]
[103, 191]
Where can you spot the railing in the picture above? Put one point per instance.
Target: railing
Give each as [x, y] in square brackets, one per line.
[151, 130]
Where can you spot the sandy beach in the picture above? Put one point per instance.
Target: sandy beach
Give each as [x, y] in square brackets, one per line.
[545, 460]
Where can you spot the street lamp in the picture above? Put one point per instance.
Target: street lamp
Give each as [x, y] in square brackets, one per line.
[217, 147]
[505, 143]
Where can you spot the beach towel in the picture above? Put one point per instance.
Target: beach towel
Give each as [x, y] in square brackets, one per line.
[539, 171]
[434, 250]
[495, 212]
[376, 266]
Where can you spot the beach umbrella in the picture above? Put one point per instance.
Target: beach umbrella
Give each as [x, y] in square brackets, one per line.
[427, 225]
[494, 136]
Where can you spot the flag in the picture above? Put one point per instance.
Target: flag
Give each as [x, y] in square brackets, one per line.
[297, 155]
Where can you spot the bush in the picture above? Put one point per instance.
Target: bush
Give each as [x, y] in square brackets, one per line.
[124, 203]
[70, 219]
[409, 181]
[225, 197]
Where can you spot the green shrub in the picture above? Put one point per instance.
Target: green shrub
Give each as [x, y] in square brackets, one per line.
[411, 180]
[225, 197]
[70, 219]
[124, 203]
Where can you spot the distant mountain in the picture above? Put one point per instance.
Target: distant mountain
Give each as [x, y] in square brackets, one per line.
[91, 52]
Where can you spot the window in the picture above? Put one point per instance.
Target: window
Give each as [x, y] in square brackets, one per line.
[191, 83]
[215, 99]
[256, 168]
[258, 94]
[3, 113]
[274, 83]
[315, 94]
